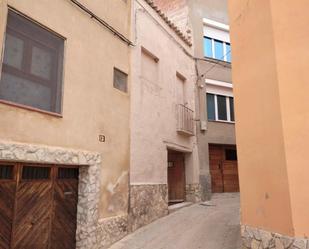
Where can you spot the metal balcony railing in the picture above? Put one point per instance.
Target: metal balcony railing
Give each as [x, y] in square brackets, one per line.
[185, 120]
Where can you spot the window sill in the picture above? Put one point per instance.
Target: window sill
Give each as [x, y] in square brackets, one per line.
[29, 108]
[222, 121]
[214, 60]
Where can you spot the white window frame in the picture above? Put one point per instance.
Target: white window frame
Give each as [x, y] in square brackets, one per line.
[221, 88]
[217, 31]
[214, 51]
[228, 109]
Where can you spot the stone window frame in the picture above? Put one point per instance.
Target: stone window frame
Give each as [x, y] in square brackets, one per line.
[89, 183]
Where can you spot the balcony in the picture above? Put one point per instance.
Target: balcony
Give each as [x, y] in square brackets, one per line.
[185, 121]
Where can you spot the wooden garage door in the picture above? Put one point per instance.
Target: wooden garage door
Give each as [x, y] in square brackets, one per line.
[223, 168]
[41, 211]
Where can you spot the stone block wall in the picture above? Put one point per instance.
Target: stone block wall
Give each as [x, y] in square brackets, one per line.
[147, 203]
[193, 192]
[205, 182]
[111, 230]
[254, 238]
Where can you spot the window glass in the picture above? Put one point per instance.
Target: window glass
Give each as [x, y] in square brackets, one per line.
[222, 112]
[120, 80]
[232, 109]
[41, 62]
[13, 53]
[231, 155]
[228, 52]
[25, 92]
[208, 47]
[32, 65]
[211, 106]
[219, 54]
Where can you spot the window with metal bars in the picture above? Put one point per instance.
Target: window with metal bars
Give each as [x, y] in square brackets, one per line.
[6, 172]
[35, 173]
[68, 173]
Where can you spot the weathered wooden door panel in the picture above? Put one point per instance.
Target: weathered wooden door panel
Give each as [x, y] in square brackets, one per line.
[224, 173]
[65, 209]
[215, 167]
[176, 177]
[7, 198]
[33, 215]
[37, 208]
[230, 176]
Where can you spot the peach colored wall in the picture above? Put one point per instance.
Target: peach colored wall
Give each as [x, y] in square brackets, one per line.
[291, 35]
[263, 168]
[154, 99]
[91, 106]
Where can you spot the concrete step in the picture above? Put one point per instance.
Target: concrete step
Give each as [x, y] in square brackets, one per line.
[175, 207]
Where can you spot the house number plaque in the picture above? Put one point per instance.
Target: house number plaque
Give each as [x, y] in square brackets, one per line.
[102, 138]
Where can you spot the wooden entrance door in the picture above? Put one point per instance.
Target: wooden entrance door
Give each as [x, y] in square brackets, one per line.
[176, 177]
[65, 209]
[223, 168]
[42, 202]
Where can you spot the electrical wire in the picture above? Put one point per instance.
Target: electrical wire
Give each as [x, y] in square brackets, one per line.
[215, 64]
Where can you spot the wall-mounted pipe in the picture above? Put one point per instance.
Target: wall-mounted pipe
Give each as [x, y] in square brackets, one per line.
[101, 21]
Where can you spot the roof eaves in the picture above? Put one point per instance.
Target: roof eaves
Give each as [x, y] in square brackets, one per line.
[180, 34]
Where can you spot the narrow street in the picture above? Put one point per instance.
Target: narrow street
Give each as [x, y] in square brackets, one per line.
[213, 225]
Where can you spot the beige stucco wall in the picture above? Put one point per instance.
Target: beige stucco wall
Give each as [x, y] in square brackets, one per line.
[269, 40]
[221, 133]
[153, 106]
[91, 106]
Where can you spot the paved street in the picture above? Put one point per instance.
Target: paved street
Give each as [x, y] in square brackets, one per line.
[215, 226]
